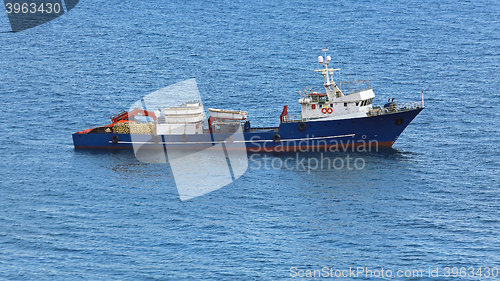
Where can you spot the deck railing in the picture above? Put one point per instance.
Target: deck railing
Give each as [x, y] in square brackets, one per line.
[410, 105]
[292, 118]
[379, 110]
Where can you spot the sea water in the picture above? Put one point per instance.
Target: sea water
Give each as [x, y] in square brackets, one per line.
[432, 203]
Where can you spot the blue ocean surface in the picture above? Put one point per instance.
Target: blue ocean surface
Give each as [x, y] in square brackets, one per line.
[432, 201]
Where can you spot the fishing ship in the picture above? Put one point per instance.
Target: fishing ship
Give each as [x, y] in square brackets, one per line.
[330, 118]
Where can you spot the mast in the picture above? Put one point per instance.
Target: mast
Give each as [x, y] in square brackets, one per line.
[326, 72]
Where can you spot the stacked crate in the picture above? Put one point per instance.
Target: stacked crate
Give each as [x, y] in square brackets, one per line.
[134, 128]
[143, 129]
[121, 128]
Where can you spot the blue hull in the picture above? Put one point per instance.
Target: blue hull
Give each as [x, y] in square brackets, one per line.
[380, 131]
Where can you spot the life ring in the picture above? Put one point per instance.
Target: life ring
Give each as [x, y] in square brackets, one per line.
[276, 138]
[313, 106]
[302, 126]
[330, 110]
[115, 139]
[324, 110]
[184, 138]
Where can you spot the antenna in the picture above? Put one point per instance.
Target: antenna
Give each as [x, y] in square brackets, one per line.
[327, 58]
[325, 50]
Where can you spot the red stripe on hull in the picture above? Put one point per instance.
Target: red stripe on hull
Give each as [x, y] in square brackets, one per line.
[306, 148]
[321, 148]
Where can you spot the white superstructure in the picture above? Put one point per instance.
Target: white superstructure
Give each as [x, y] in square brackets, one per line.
[333, 104]
[228, 114]
[185, 119]
[226, 121]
